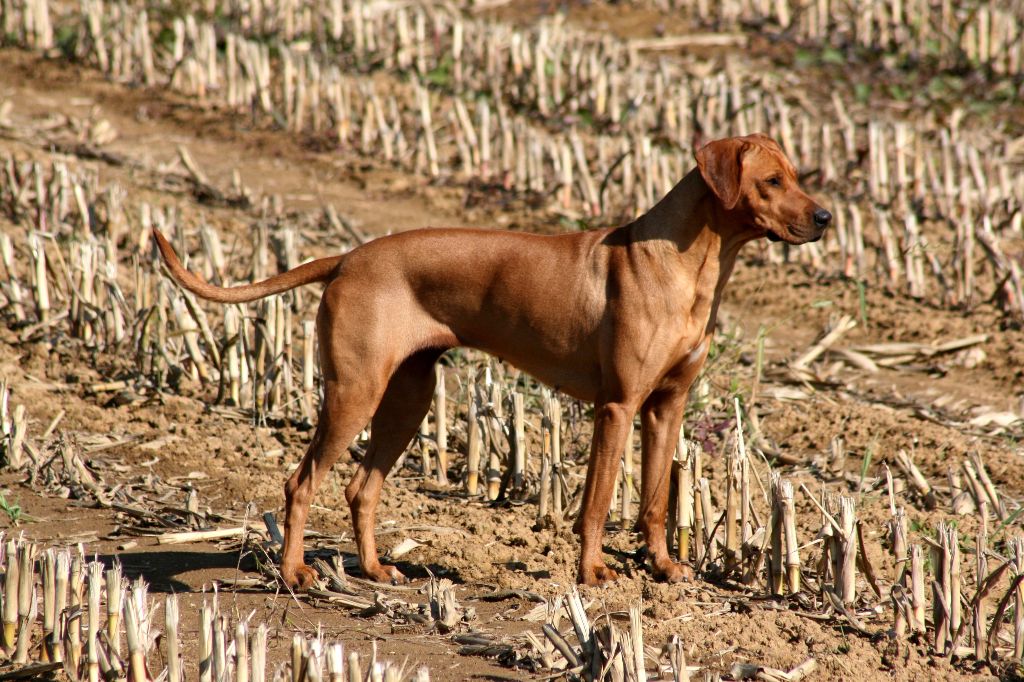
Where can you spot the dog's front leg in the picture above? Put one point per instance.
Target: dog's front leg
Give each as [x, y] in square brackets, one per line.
[661, 416]
[611, 426]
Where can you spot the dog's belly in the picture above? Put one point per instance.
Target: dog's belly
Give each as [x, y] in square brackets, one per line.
[575, 373]
[583, 386]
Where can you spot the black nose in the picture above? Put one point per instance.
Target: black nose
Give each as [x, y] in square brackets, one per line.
[822, 217]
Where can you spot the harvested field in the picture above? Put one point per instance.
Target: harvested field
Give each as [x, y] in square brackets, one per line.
[850, 470]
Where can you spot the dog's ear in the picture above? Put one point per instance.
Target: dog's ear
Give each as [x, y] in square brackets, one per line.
[721, 165]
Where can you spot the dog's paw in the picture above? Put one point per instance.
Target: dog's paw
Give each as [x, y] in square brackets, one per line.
[596, 575]
[383, 573]
[672, 572]
[299, 578]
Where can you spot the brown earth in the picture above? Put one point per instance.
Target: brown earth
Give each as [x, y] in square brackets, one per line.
[239, 469]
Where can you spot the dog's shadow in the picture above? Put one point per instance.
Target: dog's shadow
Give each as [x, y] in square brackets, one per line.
[417, 572]
[163, 570]
[414, 572]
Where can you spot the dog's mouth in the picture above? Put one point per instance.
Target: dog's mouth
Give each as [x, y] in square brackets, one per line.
[794, 236]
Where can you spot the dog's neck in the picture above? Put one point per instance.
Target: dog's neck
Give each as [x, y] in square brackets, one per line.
[690, 225]
[689, 215]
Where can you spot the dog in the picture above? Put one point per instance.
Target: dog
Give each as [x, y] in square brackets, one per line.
[621, 317]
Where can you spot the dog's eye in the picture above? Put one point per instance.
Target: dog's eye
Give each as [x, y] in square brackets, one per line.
[774, 182]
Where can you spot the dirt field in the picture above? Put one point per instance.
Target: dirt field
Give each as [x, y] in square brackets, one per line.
[160, 442]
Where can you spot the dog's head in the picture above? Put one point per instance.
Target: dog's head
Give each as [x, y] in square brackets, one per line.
[754, 181]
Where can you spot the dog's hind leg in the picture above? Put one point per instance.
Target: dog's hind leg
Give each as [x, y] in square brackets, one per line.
[399, 414]
[346, 408]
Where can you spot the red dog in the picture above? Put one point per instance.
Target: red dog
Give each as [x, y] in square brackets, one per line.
[621, 317]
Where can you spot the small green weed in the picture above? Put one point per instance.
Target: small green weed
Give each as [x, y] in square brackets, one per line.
[862, 302]
[865, 465]
[12, 509]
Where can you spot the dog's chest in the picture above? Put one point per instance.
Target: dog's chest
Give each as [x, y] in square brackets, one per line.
[696, 353]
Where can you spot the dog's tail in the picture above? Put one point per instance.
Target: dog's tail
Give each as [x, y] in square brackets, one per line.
[315, 271]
